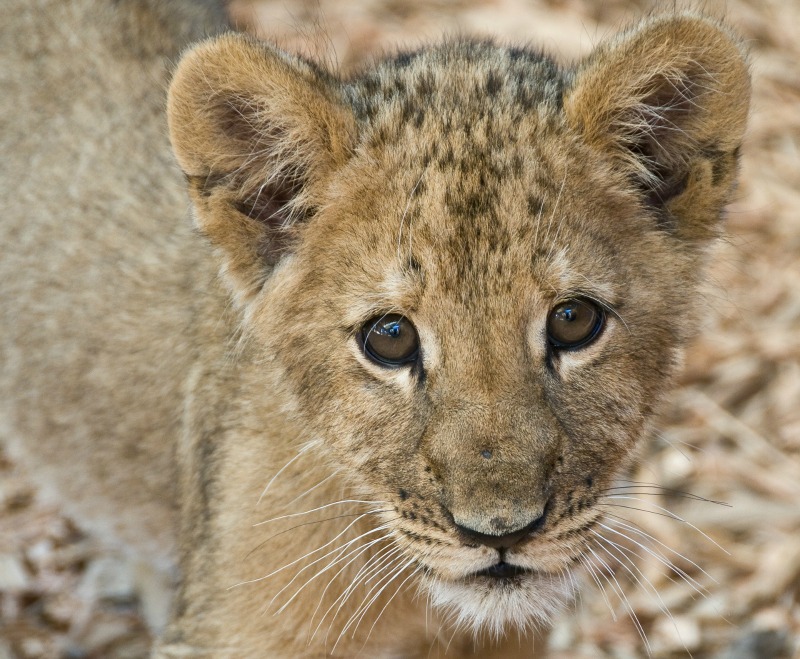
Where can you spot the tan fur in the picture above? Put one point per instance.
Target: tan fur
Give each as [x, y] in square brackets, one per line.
[467, 186]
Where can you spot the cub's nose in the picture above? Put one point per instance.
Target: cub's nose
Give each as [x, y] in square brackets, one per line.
[507, 535]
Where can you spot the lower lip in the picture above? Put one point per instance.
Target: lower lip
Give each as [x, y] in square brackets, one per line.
[502, 572]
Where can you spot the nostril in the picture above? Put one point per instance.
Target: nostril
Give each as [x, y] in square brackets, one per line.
[501, 540]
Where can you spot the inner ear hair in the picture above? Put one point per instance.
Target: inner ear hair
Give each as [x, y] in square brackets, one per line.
[657, 132]
[258, 133]
[660, 99]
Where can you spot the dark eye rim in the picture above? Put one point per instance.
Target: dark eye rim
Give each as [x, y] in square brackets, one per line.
[361, 338]
[597, 330]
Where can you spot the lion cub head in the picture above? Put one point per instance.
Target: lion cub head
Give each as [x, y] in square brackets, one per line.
[474, 269]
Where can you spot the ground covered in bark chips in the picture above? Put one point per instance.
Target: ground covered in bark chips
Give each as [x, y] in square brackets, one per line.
[731, 433]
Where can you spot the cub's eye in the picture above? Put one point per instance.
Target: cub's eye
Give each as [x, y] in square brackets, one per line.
[390, 340]
[574, 323]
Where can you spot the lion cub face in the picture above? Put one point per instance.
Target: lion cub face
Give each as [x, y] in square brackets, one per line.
[474, 270]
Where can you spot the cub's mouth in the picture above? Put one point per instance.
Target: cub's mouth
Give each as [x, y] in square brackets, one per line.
[501, 571]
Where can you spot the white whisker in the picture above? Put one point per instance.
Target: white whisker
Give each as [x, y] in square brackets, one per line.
[314, 551]
[385, 606]
[318, 508]
[617, 588]
[387, 566]
[671, 515]
[311, 489]
[369, 565]
[358, 616]
[338, 559]
[593, 573]
[620, 554]
[282, 469]
[663, 559]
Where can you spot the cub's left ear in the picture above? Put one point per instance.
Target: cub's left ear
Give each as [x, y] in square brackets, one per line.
[258, 134]
[669, 100]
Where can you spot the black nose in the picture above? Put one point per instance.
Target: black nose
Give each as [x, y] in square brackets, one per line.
[505, 541]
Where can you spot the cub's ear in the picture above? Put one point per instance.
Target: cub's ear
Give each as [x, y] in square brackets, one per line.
[669, 100]
[257, 133]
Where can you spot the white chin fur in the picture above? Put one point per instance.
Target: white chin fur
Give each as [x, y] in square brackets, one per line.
[498, 607]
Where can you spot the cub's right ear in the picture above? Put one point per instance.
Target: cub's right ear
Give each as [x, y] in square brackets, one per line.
[257, 133]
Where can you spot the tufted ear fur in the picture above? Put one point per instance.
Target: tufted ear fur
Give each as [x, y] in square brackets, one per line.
[257, 133]
[669, 100]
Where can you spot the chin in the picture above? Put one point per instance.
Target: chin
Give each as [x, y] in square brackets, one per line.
[487, 605]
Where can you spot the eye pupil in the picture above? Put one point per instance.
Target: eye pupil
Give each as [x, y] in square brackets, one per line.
[574, 323]
[390, 340]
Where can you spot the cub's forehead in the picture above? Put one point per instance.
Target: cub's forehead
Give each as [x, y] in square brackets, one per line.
[472, 183]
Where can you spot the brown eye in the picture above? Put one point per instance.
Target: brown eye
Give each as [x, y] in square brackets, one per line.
[390, 340]
[574, 323]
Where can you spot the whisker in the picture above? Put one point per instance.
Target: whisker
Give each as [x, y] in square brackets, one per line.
[620, 554]
[358, 616]
[313, 551]
[311, 489]
[384, 565]
[316, 521]
[673, 445]
[551, 217]
[672, 515]
[388, 567]
[378, 558]
[660, 557]
[403, 218]
[282, 469]
[624, 599]
[385, 606]
[457, 628]
[660, 490]
[378, 594]
[357, 551]
[641, 510]
[344, 548]
[593, 573]
[318, 508]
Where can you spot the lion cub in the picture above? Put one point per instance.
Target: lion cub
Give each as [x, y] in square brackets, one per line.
[371, 404]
